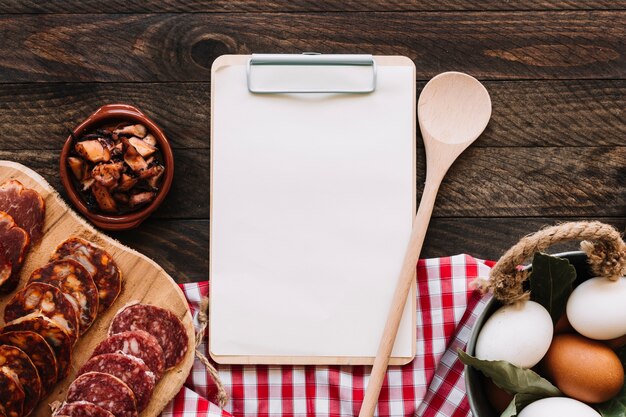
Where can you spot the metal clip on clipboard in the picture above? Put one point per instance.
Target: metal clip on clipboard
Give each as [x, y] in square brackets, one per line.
[311, 73]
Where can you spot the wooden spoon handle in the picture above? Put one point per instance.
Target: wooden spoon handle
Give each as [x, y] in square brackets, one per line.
[403, 287]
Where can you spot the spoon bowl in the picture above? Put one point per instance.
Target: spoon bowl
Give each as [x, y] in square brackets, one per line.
[454, 109]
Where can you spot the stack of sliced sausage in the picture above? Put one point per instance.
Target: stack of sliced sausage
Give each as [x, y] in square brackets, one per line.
[44, 320]
[119, 378]
[22, 215]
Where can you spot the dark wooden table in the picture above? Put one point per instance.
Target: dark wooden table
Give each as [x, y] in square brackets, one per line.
[554, 150]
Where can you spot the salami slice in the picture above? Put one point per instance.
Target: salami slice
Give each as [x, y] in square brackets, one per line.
[39, 351]
[15, 242]
[60, 342]
[17, 361]
[136, 343]
[11, 393]
[131, 370]
[160, 323]
[25, 206]
[76, 283]
[49, 301]
[82, 409]
[5, 268]
[103, 269]
[106, 391]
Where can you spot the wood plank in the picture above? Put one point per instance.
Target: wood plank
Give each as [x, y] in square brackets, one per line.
[525, 113]
[188, 197]
[181, 246]
[181, 47]
[241, 6]
[484, 182]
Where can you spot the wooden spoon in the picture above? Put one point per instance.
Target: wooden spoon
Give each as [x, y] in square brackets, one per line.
[453, 110]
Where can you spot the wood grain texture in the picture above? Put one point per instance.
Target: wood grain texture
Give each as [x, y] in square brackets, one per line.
[181, 247]
[125, 6]
[484, 182]
[181, 47]
[525, 113]
[143, 281]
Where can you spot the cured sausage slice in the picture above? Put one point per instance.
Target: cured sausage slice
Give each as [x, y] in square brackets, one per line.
[60, 342]
[47, 300]
[82, 409]
[106, 391]
[11, 393]
[131, 370]
[5, 268]
[17, 361]
[26, 207]
[160, 323]
[103, 269]
[136, 343]
[15, 242]
[76, 283]
[39, 352]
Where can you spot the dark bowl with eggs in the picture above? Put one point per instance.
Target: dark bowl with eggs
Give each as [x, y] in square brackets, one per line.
[475, 383]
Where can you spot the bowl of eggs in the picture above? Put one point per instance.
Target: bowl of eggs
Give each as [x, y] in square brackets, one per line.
[561, 348]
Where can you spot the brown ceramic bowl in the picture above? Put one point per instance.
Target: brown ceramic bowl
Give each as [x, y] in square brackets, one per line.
[109, 114]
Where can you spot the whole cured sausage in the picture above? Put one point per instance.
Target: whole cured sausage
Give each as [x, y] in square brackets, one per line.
[76, 283]
[39, 351]
[106, 391]
[82, 409]
[131, 370]
[26, 207]
[160, 323]
[60, 342]
[17, 361]
[15, 243]
[49, 301]
[11, 393]
[139, 344]
[104, 271]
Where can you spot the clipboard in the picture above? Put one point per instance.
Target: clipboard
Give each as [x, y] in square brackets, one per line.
[312, 198]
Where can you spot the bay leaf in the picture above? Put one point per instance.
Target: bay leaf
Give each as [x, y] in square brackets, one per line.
[518, 403]
[616, 406]
[551, 283]
[511, 378]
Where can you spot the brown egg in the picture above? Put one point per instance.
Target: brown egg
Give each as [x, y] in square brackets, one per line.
[584, 369]
[498, 398]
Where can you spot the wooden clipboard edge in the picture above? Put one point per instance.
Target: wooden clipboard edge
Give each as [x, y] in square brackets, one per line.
[224, 61]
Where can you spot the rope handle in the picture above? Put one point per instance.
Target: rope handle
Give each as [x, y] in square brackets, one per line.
[605, 249]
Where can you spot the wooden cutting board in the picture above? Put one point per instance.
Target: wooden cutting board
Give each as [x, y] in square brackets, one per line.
[143, 280]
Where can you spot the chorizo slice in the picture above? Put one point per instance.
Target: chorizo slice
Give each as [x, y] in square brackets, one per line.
[105, 390]
[131, 370]
[136, 343]
[103, 269]
[11, 393]
[60, 342]
[160, 323]
[82, 409]
[76, 283]
[26, 206]
[39, 352]
[17, 361]
[15, 243]
[49, 301]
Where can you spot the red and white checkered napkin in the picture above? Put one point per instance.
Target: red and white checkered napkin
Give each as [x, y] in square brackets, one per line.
[430, 386]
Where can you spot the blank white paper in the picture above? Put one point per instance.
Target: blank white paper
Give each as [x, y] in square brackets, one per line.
[312, 204]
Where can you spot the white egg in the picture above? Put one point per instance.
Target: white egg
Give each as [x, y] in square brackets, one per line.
[597, 308]
[519, 333]
[558, 407]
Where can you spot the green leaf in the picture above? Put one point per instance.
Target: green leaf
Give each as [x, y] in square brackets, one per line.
[511, 378]
[616, 407]
[551, 283]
